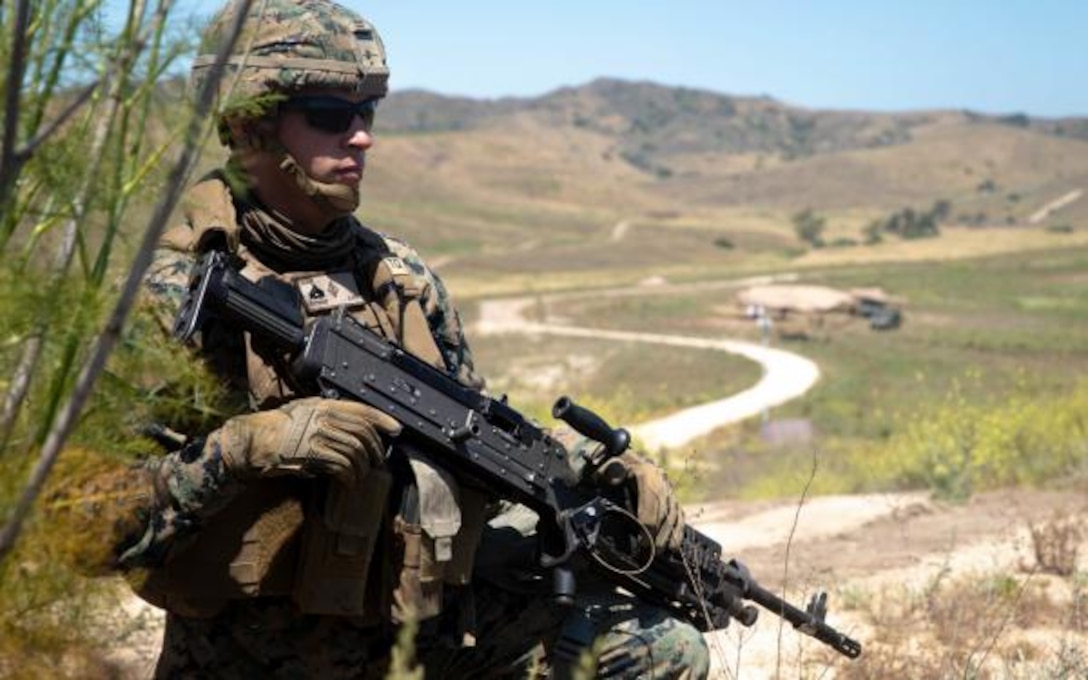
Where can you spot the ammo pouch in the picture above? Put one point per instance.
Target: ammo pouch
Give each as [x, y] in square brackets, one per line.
[339, 537]
[251, 552]
[435, 536]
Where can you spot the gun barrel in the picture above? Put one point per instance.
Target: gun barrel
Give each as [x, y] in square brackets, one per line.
[805, 622]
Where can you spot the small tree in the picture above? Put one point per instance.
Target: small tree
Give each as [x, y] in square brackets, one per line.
[922, 225]
[941, 210]
[874, 232]
[909, 223]
[86, 133]
[809, 227]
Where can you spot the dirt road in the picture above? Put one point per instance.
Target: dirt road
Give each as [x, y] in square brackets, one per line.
[786, 376]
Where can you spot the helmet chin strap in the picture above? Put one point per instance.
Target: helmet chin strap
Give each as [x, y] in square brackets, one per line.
[338, 200]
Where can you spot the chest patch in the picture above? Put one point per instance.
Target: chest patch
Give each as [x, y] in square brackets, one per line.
[328, 291]
[397, 267]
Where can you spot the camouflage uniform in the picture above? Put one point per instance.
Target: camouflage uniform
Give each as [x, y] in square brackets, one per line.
[499, 624]
[515, 625]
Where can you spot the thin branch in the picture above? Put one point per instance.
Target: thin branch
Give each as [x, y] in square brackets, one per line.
[18, 388]
[24, 153]
[8, 168]
[786, 559]
[62, 49]
[117, 77]
[1010, 614]
[106, 340]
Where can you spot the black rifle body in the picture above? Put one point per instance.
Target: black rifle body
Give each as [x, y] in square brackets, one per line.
[488, 443]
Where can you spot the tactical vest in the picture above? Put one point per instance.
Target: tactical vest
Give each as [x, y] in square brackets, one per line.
[311, 539]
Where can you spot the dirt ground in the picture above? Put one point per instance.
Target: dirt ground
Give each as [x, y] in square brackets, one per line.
[867, 550]
[861, 549]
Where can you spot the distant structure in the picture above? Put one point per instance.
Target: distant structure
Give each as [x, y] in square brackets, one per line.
[780, 302]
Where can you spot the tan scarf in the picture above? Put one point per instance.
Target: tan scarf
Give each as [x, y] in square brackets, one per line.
[268, 234]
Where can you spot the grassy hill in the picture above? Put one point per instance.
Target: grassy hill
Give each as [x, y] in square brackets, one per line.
[493, 188]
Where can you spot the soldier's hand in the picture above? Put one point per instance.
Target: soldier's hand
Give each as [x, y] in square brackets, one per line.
[308, 437]
[655, 503]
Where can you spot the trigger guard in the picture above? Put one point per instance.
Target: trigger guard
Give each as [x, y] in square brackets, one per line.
[634, 568]
[580, 528]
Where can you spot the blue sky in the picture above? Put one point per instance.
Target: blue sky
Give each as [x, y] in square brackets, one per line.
[993, 56]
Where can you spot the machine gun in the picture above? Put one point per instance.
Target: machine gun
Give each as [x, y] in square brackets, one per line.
[488, 443]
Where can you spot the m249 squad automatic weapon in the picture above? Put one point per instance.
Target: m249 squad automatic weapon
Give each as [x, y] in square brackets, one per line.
[486, 442]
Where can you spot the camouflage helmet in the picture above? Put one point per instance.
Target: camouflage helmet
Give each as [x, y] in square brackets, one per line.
[288, 45]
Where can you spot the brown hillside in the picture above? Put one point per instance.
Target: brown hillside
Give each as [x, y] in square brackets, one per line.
[586, 144]
[609, 175]
[978, 166]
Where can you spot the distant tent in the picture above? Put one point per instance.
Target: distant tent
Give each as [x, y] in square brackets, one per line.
[804, 299]
[779, 301]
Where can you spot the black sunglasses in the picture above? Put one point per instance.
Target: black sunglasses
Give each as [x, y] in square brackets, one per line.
[332, 114]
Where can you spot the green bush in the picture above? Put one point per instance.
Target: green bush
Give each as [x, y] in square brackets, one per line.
[954, 447]
[809, 227]
[958, 446]
[86, 152]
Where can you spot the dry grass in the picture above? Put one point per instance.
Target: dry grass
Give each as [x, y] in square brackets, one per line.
[1056, 543]
[625, 383]
[766, 247]
[539, 160]
[979, 626]
[953, 244]
[532, 189]
[1031, 624]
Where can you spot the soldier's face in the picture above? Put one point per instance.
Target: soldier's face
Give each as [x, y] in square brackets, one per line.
[328, 133]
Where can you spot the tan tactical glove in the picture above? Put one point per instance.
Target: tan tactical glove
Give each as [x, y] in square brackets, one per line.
[308, 436]
[655, 503]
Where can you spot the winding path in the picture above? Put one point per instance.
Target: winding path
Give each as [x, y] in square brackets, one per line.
[786, 376]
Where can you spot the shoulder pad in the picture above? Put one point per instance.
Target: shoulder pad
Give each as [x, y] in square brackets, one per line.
[210, 216]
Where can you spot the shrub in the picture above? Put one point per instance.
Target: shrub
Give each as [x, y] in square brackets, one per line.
[809, 227]
[957, 447]
[909, 223]
[1056, 543]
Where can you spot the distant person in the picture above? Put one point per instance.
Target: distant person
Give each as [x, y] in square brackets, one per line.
[243, 534]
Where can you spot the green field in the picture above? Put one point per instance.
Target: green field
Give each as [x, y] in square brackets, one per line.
[982, 332]
[627, 382]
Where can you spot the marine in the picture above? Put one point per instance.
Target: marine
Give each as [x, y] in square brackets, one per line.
[296, 535]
